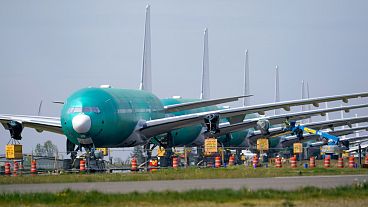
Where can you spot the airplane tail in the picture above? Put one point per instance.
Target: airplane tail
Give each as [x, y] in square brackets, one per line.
[246, 101]
[205, 85]
[146, 76]
[277, 89]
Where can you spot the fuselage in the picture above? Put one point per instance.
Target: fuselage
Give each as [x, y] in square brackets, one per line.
[108, 117]
[113, 113]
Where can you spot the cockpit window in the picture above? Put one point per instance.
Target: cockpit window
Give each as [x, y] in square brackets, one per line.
[83, 109]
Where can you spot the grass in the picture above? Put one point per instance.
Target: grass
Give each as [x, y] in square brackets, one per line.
[353, 195]
[188, 173]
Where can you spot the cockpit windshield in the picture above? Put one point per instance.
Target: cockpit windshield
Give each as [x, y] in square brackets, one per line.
[84, 110]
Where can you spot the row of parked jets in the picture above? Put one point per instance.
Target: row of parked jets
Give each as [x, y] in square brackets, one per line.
[110, 117]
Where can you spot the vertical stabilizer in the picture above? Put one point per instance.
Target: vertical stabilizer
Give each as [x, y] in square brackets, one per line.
[327, 114]
[146, 76]
[356, 125]
[205, 89]
[342, 116]
[303, 97]
[309, 106]
[277, 89]
[246, 101]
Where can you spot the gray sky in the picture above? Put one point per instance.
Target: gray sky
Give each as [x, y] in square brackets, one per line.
[48, 49]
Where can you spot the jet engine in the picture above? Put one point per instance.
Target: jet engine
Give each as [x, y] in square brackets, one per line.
[15, 128]
[212, 123]
[263, 125]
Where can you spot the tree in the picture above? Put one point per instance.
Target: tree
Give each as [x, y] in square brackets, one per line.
[39, 150]
[138, 154]
[50, 148]
[47, 149]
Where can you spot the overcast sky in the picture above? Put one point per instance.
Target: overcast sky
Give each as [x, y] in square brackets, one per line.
[48, 49]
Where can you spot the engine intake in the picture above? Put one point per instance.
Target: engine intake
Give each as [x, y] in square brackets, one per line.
[263, 125]
[15, 128]
[212, 123]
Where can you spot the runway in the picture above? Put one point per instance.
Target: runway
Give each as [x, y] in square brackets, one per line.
[281, 183]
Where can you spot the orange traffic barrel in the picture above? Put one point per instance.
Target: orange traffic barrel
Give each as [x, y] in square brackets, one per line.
[153, 165]
[366, 159]
[209, 163]
[33, 167]
[231, 160]
[293, 163]
[351, 161]
[255, 161]
[15, 168]
[217, 161]
[7, 168]
[134, 164]
[340, 162]
[312, 162]
[82, 165]
[278, 162]
[20, 167]
[327, 161]
[175, 162]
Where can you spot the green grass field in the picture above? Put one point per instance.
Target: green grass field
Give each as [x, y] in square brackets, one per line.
[188, 173]
[356, 195]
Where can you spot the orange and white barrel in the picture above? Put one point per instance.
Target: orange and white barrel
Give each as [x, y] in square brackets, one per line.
[21, 168]
[209, 163]
[312, 162]
[278, 162]
[175, 162]
[340, 162]
[153, 165]
[255, 161]
[134, 164]
[293, 163]
[33, 167]
[366, 159]
[327, 161]
[231, 160]
[7, 168]
[217, 161]
[15, 168]
[82, 165]
[351, 161]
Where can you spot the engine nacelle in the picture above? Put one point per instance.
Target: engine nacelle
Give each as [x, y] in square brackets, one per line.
[212, 123]
[15, 128]
[263, 125]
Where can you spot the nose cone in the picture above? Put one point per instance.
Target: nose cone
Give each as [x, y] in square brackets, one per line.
[81, 123]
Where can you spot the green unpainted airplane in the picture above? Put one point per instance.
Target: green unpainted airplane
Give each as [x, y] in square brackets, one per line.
[111, 117]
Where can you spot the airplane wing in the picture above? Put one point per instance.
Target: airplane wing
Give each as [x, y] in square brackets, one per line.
[278, 131]
[279, 119]
[199, 104]
[363, 145]
[40, 123]
[160, 126]
[352, 140]
[288, 141]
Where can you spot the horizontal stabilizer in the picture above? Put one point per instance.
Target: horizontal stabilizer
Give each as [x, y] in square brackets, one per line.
[199, 104]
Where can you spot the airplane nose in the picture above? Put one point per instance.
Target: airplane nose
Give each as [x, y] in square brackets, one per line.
[81, 123]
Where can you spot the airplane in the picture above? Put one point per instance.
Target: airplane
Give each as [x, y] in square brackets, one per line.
[328, 124]
[112, 117]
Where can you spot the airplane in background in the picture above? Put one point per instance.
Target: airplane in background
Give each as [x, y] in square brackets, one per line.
[111, 117]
